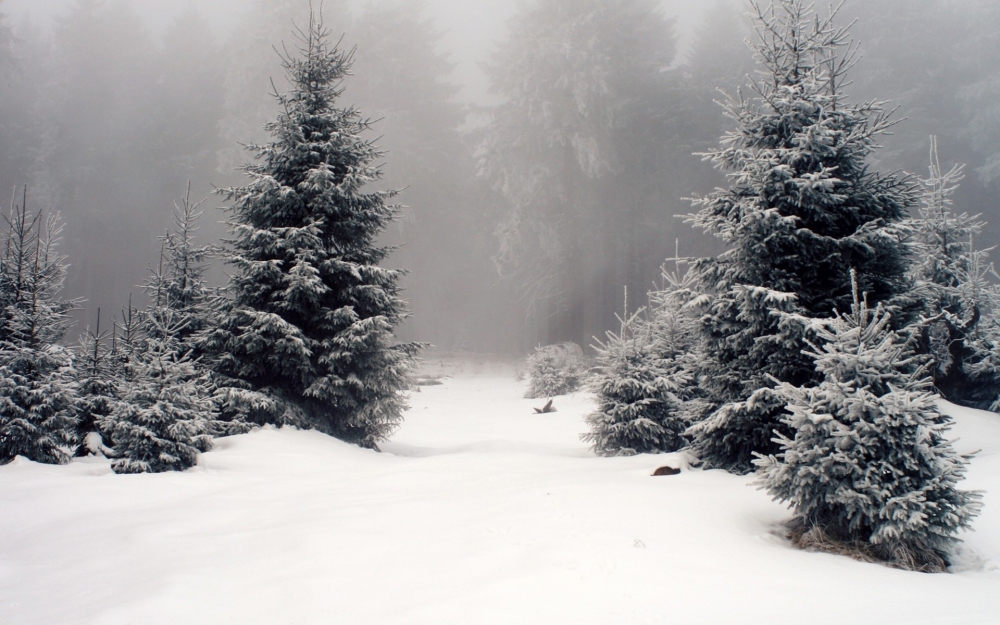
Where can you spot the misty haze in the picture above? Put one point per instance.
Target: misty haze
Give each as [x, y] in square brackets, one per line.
[130, 100]
[489, 311]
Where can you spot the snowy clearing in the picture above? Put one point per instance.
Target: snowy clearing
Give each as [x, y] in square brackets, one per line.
[478, 511]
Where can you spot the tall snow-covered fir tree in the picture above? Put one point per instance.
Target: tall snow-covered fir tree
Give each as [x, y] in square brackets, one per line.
[803, 208]
[645, 375]
[867, 466]
[959, 287]
[37, 384]
[307, 336]
[164, 416]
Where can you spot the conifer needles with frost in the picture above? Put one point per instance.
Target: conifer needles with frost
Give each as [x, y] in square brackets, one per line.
[306, 336]
[97, 386]
[867, 466]
[645, 375]
[37, 387]
[803, 207]
[164, 417]
[960, 291]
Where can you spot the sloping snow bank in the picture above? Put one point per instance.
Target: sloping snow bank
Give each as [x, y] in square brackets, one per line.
[478, 512]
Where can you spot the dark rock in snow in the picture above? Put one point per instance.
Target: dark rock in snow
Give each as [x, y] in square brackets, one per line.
[666, 471]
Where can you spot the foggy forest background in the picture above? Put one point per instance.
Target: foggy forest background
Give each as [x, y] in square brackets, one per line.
[543, 164]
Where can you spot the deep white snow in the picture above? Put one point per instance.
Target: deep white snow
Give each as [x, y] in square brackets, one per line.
[479, 511]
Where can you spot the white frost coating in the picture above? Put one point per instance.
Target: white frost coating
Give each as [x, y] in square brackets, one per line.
[94, 444]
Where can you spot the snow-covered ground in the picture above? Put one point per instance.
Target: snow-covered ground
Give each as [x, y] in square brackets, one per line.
[478, 511]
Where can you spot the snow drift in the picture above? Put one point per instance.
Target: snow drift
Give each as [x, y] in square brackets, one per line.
[479, 511]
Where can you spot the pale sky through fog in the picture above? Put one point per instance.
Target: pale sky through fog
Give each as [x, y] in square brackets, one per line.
[155, 11]
[470, 27]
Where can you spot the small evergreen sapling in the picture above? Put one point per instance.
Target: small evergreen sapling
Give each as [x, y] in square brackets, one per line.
[37, 386]
[165, 414]
[555, 370]
[164, 418]
[179, 281]
[306, 335]
[867, 467]
[644, 379]
[126, 342]
[97, 387]
[639, 390]
[979, 348]
[982, 364]
[961, 291]
[178, 287]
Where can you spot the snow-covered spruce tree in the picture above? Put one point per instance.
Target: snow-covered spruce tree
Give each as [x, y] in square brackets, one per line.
[802, 209]
[37, 385]
[959, 292]
[644, 380]
[178, 286]
[179, 281]
[126, 342]
[165, 415]
[307, 336]
[867, 467]
[97, 388]
[638, 403]
[555, 370]
[981, 365]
